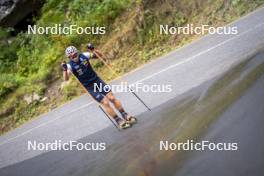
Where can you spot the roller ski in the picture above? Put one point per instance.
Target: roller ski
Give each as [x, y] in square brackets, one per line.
[128, 118]
[131, 120]
[122, 124]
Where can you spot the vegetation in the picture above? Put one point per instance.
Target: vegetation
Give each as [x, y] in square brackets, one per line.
[30, 63]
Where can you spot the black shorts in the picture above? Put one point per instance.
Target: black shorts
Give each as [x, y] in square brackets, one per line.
[98, 89]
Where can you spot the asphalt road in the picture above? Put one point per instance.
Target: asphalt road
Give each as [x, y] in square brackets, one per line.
[242, 123]
[190, 70]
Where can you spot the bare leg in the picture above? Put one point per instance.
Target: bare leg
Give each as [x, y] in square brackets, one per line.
[106, 104]
[109, 110]
[115, 101]
[119, 107]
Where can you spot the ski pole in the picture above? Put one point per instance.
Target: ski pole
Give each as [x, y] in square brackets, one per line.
[109, 117]
[99, 55]
[97, 103]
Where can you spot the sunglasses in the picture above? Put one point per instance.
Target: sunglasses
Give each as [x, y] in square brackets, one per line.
[72, 56]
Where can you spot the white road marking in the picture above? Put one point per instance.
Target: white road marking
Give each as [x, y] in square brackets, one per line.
[43, 124]
[148, 77]
[199, 54]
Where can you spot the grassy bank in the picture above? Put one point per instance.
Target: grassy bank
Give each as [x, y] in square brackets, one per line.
[29, 64]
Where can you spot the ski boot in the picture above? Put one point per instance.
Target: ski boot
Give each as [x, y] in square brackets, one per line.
[122, 124]
[130, 119]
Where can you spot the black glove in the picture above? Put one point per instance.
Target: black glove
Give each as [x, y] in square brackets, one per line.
[90, 46]
[64, 66]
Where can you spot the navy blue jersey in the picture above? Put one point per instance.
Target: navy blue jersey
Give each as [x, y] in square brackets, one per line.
[83, 69]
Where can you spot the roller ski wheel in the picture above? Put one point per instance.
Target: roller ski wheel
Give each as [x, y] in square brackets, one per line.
[123, 125]
[131, 120]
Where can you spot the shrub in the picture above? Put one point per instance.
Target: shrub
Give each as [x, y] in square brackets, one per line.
[8, 83]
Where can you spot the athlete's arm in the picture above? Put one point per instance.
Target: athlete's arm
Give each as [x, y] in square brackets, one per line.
[90, 55]
[65, 75]
[96, 53]
[66, 71]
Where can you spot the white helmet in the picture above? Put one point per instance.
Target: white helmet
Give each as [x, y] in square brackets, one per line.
[70, 50]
